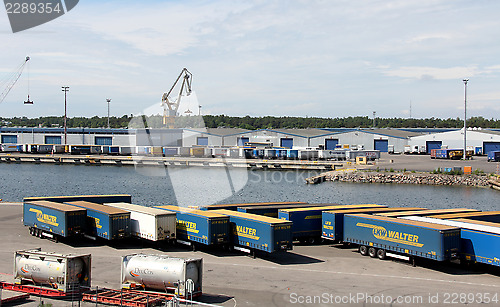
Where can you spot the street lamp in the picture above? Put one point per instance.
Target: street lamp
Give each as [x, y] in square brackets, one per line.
[108, 101]
[465, 119]
[65, 89]
[199, 110]
[374, 114]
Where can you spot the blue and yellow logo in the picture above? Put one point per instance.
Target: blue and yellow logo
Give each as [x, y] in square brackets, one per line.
[381, 233]
[187, 226]
[246, 232]
[45, 218]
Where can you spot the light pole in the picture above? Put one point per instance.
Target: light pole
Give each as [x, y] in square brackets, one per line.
[374, 114]
[108, 101]
[65, 89]
[199, 110]
[465, 119]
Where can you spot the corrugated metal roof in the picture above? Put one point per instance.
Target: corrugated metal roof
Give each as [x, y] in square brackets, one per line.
[140, 209]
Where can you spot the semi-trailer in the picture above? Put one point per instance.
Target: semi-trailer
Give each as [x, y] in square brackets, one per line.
[98, 199]
[426, 212]
[63, 273]
[452, 154]
[149, 223]
[272, 210]
[250, 232]
[105, 222]
[181, 276]
[380, 236]
[487, 216]
[307, 221]
[480, 241]
[54, 220]
[235, 206]
[333, 221]
[197, 226]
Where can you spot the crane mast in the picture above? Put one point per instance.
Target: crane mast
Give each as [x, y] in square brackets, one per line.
[171, 105]
[11, 81]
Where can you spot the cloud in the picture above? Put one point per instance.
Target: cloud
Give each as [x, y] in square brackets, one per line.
[428, 73]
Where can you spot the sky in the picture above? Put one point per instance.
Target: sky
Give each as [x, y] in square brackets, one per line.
[330, 58]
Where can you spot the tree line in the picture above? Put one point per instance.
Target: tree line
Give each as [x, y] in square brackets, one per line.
[247, 122]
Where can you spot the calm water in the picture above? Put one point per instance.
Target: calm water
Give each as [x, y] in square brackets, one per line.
[201, 186]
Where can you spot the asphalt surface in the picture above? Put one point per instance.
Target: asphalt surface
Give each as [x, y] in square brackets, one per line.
[423, 163]
[320, 275]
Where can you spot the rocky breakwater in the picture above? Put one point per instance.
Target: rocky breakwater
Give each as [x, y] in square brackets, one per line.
[410, 178]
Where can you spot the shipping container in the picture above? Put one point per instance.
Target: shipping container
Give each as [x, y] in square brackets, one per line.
[427, 212]
[185, 151]
[100, 199]
[104, 221]
[128, 150]
[205, 227]
[11, 148]
[163, 273]
[480, 241]
[487, 216]
[143, 150]
[333, 221]
[270, 154]
[377, 236]
[235, 206]
[336, 155]
[170, 151]
[65, 273]
[156, 151]
[257, 232]
[494, 156]
[272, 210]
[307, 221]
[281, 154]
[197, 152]
[308, 154]
[292, 154]
[51, 219]
[149, 223]
[111, 150]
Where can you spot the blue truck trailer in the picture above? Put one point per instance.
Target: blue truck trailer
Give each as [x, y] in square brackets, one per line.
[236, 206]
[307, 221]
[197, 226]
[272, 210]
[98, 199]
[333, 221]
[53, 220]
[480, 241]
[486, 216]
[494, 156]
[380, 236]
[105, 222]
[251, 232]
[426, 212]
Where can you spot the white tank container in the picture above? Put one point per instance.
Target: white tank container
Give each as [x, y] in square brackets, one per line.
[162, 272]
[62, 272]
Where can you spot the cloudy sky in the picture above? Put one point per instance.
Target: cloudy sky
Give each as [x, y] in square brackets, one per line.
[329, 58]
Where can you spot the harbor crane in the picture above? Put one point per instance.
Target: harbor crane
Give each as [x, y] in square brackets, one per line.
[171, 105]
[11, 80]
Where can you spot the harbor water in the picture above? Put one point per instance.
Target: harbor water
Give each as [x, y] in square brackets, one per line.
[199, 186]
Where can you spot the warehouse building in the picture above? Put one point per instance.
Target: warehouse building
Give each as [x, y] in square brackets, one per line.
[483, 140]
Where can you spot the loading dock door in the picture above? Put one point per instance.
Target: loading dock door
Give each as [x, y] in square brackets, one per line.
[203, 141]
[9, 139]
[381, 145]
[331, 143]
[429, 145]
[53, 140]
[490, 146]
[103, 140]
[242, 141]
[287, 143]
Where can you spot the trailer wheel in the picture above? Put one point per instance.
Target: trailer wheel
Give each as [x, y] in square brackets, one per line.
[381, 254]
[32, 231]
[363, 250]
[372, 251]
[311, 240]
[39, 233]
